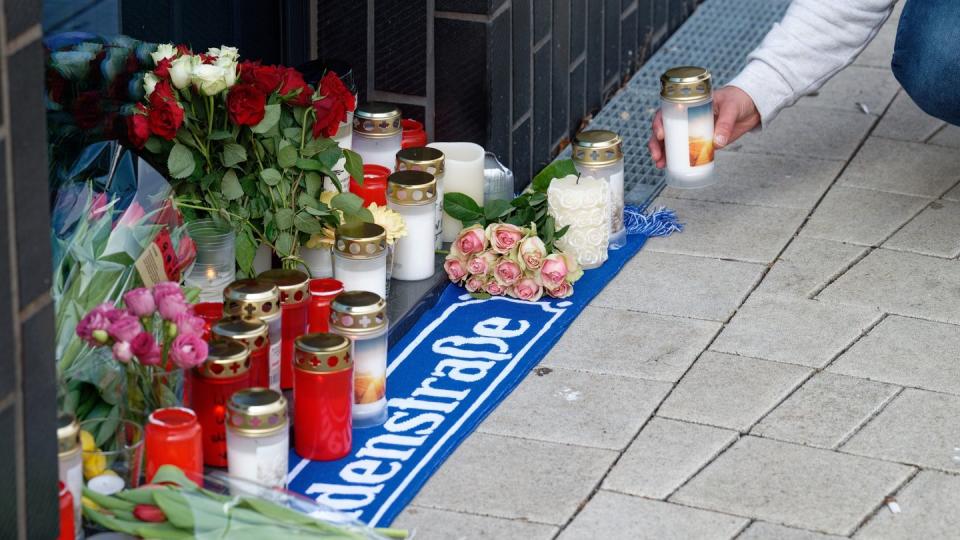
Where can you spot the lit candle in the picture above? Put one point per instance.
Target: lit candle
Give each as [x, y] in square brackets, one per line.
[259, 299]
[598, 153]
[360, 257]
[362, 317]
[377, 133]
[463, 173]
[428, 160]
[215, 265]
[294, 288]
[71, 464]
[258, 436]
[686, 104]
[412, 194]
[226, 370]
[584, 204]
[323, 396]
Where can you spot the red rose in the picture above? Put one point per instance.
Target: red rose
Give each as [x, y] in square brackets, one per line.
[332, 86]
[246, 103]
[265, 78]
[86, 109]
[163, 68]
[291, 81]
[166, 116]
[138, 129]
[183, 49]
[330, 112]
[162, 93]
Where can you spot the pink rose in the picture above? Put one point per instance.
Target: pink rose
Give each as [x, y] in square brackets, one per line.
[188, 323]
[144, 347]
[504, 236]
[169, 299]
[563, 290]
[495, 289]
[532, 252]
[99, 318]
[125, 328]
[471, 240]
[122, 352]
[527, 289]
[554, 270]
[475, 283]
[188, 351]
[507, 272]
[165, 289]
[140, 302]
[574, 270]
[455, 269]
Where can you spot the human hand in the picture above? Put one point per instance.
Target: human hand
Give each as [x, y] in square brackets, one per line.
[734, 114]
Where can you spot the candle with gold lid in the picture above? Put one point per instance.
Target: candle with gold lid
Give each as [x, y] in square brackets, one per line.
[360, 257]
[226, 370]
[686, 103]
[258, 436]
[71, 464]
[259, 299]
[413, 195]
[252, 334]
[429, 160]
[599, 153]
[362, 317]
[377, 133]
[294, 287]
[323, 396]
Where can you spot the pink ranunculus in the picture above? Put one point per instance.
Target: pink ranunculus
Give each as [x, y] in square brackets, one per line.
[144, 345]
[494, 288]
[164, 289]
[527, 289]
[507, 272]
[170, 300]
[140, 302]
[188, 323]
[471, 240]
[99, 318]
[563, 290]
[122, 351]
[188, 351]
[504, 236]
[455, 268]
[125, 328]
[475, 283]
[554, 270]
[531, 252]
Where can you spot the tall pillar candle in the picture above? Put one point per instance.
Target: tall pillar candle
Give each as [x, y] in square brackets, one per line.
[294, 289]
[599, 153]
[360, 257]
[255, 336]
[362, 317]
[323, 396]
[428, 160]
[377, 133]
[258, 436]
[686, 103]
[463, 173]
[412, 194]
[583, 203]
[259, 299]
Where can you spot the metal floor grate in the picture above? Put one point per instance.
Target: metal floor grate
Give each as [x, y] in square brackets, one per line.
[718, 36]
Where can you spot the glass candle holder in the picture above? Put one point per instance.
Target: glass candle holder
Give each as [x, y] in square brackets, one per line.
[428, 160]
[317, 261]
[210, 312]
[254, 335]
[362, 317]
[360, 257]
[323, 396]
[294, 289]
[599, 153]
[322, 292]
[115, 460]
[498, 183]
[174, 438]
[70, 465]
[583, 204]
[374, 186]
[463, 165]
[215, 266]
[259, 299]
[68, 517]
[414, 135]
[258, 436]
[377, 133]
[413, 194]
[226, 370]
[686, 102]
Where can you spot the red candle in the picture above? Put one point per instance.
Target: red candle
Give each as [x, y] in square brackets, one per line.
[210, 312]
[323, 396]
[226, 370]
[251, 333]
[322, 292]
[413, 134]
[174, 438]
[374, 187]
[294, 301]
[67, 526]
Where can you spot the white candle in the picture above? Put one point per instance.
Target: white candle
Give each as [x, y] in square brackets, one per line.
[412, 194]
[583, 204]
[686, 104]
[258, 436]
[360, 257]
[598, 153]
[429, 160]
[319, 261]
[361, 316]
[377, 133]
[463, 173]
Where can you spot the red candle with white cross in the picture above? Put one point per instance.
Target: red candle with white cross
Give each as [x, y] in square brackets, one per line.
[226, 370]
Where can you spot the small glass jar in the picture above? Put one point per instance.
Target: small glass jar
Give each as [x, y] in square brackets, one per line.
[258, 436]
[322, 292]
[226, 370]
[174, 438]
[413, 195]
[686, 102]
[323, 396]
[429, 160]
[362, 317]
[215, 266]
[377, 133]
[71, 465]
[374, 186]
[294, 301]
[254, 335]
[599, 153]
[360, 257]
[259, 299]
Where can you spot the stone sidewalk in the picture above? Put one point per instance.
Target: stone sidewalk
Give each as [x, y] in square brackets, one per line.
[786, 368]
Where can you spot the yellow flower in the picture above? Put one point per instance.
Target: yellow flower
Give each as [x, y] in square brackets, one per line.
[390, 220]
[326, 197]
[93, 465]
[321, 240]
[87, 442]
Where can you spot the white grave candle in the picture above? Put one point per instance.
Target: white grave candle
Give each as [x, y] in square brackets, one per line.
[377, 133]
[463, 173]
[584, 204]
[429, 160]
[360, 257]
[686, 104]
[412, 194]
[258, 436]
[598, 153]
[362, 317]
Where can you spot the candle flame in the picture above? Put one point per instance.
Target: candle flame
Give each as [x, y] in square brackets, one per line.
[211, 273]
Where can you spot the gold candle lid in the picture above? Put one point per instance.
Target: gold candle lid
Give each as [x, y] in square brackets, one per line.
[68, 435]
[322, 353]
[376, 119]
[423, 158]
[252, 298]
[411, 188]
[361, 240]
[251, 333]
[358, 313]
[685, 84]
[257, 412]
[597, 147]
[294, 285]
[226, 358]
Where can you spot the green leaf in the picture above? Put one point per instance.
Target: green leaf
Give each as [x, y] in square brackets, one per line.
[305, 199]
[208, 180]
[246, 250]
[284, 244]
[154, 145]
[271, 116]
[284, 218]
[496, 209]
[314, 165]
[271, 176]
[557, 169]
[348, 203]
[461, 207]
[314, 146]
[180, 162]
[286, 154]
[314, 183]
[230, 185]
[353, 164]
[559, 234]
[306, 223]
[537, 199]
[292, 134]
[233, 154]
[220, 135]
[120, 257]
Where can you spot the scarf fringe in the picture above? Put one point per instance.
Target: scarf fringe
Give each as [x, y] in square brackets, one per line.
[660, 222]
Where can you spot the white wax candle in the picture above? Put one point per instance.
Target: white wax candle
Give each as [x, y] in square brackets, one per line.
[688, 137]
[413, 255]
[613, 176]
[362, 274]
[378, 150]
[259, 459]
[463, 173]
[584, 205]
[319, 261]
[275, 329]
[370, 380]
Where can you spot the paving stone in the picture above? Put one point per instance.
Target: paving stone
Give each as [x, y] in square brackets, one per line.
[731, 391]
[731, 231]
[810, 132]
[928, 509]
[793, 330]
[432, 524]
[953, 194]
[933, 232]
[902, 167]
[693, 287]
[908, 352]
[794, 485]
[572, 407]
[516, 478]
[905, 121]
[765, 180]
[825, 410]
[664, 456]
[861, 216]
[761, 530]
[807, 265]
[874, 88]
[880, 51]
[614, 516]
[654, 347]
[917, 427]
[901, 283]
[948, 136]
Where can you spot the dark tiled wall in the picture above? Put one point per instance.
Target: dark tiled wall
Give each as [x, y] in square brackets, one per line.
[28, 455]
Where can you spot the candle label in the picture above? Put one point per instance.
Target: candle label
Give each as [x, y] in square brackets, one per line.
[275, 360]
[369, 387]
[700, 138]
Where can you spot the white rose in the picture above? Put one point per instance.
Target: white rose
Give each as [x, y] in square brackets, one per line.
[180, 71]
[230, 53]
[164, 50]
[150, 82]
[209, 79]
[229, 70]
